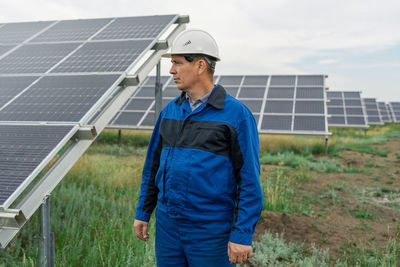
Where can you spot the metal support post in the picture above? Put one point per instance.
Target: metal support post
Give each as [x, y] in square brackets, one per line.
[158, 93]
[326, 145]
[119, 136]
[365, 132]
[46, 239]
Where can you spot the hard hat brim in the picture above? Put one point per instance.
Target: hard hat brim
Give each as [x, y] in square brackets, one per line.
[169, 55]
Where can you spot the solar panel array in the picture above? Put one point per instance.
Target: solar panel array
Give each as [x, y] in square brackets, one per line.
[345, 109]
[391, 116]
[281, 104]
[384, 112]
[395, 110]
[54, 76]
[371, 108]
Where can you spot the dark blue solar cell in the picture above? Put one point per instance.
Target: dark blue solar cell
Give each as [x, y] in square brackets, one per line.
[309, 123]
[35, 58]
[256, 80]
[310, 107]
[313, 80]
[135, 27]
[72, 30]
[276, 122]
[22, 149]
[352, 120]
[285, 80]
[18, 32]
[5, 48]
[336, 120]
[280, 92]
[251, 92]
[58, 98]
[227, 80]
[103, 57]
[127, 118]
[10, 87]
[277, 106]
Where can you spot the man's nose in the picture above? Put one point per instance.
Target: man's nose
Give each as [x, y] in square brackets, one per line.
[172, 70]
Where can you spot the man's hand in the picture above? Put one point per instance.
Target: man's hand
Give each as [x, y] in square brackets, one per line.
[238, 253]
[141, 229]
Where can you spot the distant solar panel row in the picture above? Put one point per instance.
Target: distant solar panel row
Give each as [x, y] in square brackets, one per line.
[280, 103]
[371, 108]
[383, 111]
[395, 110]
[345, 109]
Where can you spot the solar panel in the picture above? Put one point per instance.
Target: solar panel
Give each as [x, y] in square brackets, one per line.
[114, 56]
[395, 110]
[35, 58]
[22, 150]
[313, 93]
[15, 33]
[71, 30]
[391, 116]
[135, 27]
[256, 80]
[228, 80]
[277, 102]
[5, 48]
[384, 112]
[58, 98]
[10, 87]
[251, 92]
[345, 109]
[55, 79]
[278, 106]
[305, 123]
[311, 80]
[372, 111]
[310, 107]
[280, 92]
[285, 80]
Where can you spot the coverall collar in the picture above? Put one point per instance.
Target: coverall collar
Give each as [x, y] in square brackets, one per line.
[216, 99]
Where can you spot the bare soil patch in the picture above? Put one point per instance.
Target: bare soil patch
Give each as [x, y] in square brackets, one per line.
[360, 215]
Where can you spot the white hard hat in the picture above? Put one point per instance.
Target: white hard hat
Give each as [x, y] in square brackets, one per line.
[194, 41]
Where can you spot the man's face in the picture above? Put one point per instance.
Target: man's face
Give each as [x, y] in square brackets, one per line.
[183, 71]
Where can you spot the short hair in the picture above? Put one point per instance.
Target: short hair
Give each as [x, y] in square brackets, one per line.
[211, 62]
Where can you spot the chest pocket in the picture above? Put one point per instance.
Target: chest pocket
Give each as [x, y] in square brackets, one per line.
[213, 137]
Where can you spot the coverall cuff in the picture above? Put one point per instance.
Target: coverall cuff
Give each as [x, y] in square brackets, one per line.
[241, 238]
[142, 216]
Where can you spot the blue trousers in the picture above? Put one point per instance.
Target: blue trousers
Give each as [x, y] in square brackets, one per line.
[181, 243]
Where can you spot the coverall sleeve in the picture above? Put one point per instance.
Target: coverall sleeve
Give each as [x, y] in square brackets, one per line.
[249, 198]
[148, 190]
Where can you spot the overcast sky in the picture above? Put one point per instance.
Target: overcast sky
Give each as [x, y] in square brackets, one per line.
[356, 43]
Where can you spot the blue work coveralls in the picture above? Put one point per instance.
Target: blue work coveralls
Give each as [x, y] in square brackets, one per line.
[202, 171]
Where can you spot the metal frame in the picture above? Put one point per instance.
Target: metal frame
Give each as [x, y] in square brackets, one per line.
[32, 200]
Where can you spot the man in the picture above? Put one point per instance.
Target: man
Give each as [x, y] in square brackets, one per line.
[202, 167]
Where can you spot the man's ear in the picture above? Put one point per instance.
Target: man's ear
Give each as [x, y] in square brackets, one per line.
[202, 65]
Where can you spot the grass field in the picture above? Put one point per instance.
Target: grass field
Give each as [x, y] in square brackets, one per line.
[337, 210]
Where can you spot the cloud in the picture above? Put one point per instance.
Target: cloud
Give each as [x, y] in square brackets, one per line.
[258, 36]
[328, 61]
